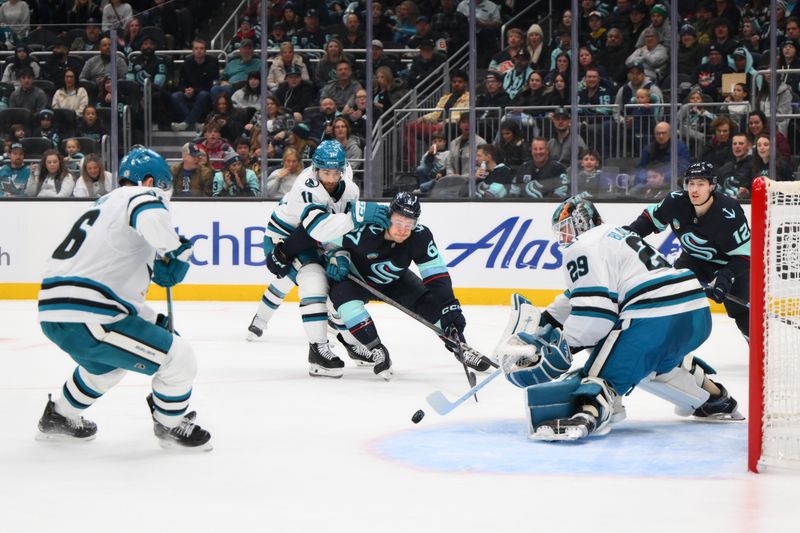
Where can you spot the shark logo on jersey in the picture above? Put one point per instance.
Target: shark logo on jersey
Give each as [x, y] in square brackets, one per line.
[694, 245]
[385, 272]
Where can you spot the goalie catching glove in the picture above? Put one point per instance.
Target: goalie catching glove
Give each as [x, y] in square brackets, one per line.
[533, 358]
[170, 270]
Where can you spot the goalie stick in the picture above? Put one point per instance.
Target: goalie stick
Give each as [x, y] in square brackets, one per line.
[442, 405]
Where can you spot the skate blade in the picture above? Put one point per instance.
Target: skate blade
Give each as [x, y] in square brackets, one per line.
[387, 374]
[735, 416]
[546, 433]
[175, 447]
[60, 437]
[253, 336]
[316, 371]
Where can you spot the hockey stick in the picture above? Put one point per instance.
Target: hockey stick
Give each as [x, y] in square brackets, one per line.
[730, 297]
[170, 325]
[442, 405]
[436, 329]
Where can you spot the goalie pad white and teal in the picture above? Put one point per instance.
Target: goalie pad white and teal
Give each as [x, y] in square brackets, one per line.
[682, 386]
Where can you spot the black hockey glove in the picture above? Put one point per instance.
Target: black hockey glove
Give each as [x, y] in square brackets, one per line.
[453, 323]
[278, 262]
[721, 285]
[162, 321]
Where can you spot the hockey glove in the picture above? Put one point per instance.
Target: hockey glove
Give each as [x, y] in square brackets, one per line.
[172, 268]
[453, 323]
[366, 213]
[278, 262]
[162, 321]
[721, 285]
[338, 266]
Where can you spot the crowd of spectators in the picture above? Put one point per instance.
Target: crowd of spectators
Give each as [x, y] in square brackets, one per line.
[316, 88]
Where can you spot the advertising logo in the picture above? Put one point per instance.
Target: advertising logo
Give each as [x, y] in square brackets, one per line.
[5, 257]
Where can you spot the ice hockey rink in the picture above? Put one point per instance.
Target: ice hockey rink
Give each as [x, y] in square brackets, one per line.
[295, 453]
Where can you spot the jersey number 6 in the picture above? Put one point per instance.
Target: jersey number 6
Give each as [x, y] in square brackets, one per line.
[647, 254]
[70, 245]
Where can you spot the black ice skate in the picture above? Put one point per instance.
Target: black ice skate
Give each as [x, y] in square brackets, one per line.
[53, 426]
[187, 434]
[383, 364]
[576, 427]
[474, 361]
[323, 362]
[357, 352]
[719, 408]
[256, 328]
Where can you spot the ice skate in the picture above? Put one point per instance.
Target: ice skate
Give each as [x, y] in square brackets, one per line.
[383, 364]
[53, 426]
[357, 352]
[187, 434]
[576, 427]
[256, 328]
[323, 362]
[720, 408]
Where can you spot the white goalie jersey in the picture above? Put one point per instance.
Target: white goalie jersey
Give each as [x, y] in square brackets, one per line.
[325, 217]
[613, 274]
[101, 270]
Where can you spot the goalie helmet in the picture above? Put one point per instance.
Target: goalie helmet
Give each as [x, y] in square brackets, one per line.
[329, 155]
[406, 204]
[573, 217]
[702, 170]
[141, 163]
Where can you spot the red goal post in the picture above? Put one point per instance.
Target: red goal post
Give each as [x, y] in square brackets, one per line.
[774, 411]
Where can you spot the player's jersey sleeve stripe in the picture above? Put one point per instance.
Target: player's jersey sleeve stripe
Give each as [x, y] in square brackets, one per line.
[650, 212]
[595, 312]
[144, 206]
[319, 217]
[588, 292]
[432, 267]
[71, 281]
[435, 277]
[276, 221]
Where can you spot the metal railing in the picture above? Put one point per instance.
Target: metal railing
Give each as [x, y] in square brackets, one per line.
[229, 27]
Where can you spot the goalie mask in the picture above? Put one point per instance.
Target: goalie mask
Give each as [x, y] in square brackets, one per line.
[573, 217]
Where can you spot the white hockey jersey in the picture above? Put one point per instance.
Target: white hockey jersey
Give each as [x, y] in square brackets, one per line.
[613, 274]
[325, 217]
[101, 270]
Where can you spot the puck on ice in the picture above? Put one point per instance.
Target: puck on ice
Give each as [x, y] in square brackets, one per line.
[419, 415]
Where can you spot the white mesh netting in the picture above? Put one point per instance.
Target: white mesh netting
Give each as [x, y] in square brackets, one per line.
[781, 420]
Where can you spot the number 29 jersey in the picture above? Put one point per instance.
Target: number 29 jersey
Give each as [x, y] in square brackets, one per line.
[100, 272]
[611, 275]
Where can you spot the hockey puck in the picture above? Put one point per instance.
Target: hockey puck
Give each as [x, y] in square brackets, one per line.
[419, 415]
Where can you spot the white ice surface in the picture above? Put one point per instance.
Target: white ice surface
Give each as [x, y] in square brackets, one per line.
[295, 453]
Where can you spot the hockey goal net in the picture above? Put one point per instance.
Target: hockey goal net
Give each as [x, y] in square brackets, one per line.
[774, 431]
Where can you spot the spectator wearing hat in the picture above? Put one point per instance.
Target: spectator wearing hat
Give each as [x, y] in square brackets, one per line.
[190, 103]
[237, 69]
[723, 36]
[652, 55]
[277, 36]
[709, 74]
[58, 62]
[234, 179]
[248, 31]
[281, 63]
[424, 63]
[17, 15]
[515, 79]
[149, 65]
[46, 127]
[425, 32]
[300, 139]
[613, 55]
[15, 174]
[504, 60]
[98, 66]
[380, 59]
[560, 145]
[344, 87]
[292, 19]
[789, 59]
[564, 48]
[639, 21]
[311, 36]
[690, 53]
[27, 95]
[537, 48]
[20, 60]
[90, 40]
[659, 22]
[488, 22]
[637, 79]
[595, 38]
[295, 93]
[487, 103]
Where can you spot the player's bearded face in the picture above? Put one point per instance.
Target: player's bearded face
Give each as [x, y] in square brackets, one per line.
[329, 178]
[400, 228]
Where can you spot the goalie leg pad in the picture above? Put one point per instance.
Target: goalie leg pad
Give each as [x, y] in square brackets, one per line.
[682, 386]
[551, 400]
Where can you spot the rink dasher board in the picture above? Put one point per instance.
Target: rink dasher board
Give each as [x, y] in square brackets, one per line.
[491, 249]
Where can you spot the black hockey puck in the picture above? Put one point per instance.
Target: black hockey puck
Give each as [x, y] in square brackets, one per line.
[419, 415]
